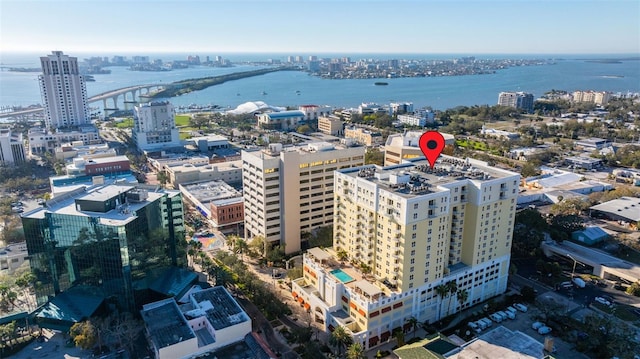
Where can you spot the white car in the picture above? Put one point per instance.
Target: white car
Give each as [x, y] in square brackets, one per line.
[520, 307]
[544, 330]
[603, 301]
[537, 325]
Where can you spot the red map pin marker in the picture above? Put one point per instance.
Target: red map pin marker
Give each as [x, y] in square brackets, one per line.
[431, 143]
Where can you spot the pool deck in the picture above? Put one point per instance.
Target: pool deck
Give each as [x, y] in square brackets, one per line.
[361, 283]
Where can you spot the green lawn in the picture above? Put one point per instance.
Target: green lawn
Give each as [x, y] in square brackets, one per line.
[185, 135]
[476, 145]
[126, 123]
[182, 120]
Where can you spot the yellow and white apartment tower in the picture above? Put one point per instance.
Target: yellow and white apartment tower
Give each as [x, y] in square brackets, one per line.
[289, 190]
[405, 230]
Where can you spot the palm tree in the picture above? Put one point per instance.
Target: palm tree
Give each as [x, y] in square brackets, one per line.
[340, 338]
[355, 351]
[342, 255]
[414, 324]
[462, 296]
[453, 288]
[442, 291]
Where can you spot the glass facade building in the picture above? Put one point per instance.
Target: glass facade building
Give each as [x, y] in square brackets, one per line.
[107, 237]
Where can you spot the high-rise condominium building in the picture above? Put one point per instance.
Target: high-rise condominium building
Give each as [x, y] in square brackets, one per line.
[64, 92]
[597, 97]
[107, 237]
[154, 126]
[289, 190]
[401, 232]
[520, 100]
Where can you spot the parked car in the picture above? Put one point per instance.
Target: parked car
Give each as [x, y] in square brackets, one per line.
[496, 318]
[537, 325]
[510, 315]
[578, 282]
[503, 315]
[511, 309]
[520, 307]
[603, 301]
[544, 330]
[487, 321]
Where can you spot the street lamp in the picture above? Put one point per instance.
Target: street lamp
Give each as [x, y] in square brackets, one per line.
[574, 265]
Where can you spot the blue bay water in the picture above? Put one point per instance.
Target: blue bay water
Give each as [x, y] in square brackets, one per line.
[293, 88]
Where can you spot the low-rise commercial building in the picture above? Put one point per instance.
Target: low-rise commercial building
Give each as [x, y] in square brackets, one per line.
[283, 120]
[70, 150]
[13, 256]
[218, 202]
[206, 321]
[405, 146]
[625, 209]
[363, 136]
[42, 141]
[592, 144]
[314, 112]
[492, 132]
[229, 172]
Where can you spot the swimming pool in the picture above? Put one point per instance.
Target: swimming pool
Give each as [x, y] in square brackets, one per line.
[342, 276]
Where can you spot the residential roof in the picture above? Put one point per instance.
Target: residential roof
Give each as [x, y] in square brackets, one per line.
[626, 207]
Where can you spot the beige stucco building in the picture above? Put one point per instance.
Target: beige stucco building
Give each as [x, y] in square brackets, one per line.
[407, 229]
[363, 136]
[405, 146]
[330, 125]
[289, 190]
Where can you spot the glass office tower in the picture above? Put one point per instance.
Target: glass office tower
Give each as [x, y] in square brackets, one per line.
[107, 237]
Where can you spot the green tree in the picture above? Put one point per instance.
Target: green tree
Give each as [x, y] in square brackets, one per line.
[342, 255]
[374, 156]
[355, 351]
[462, 295]
[304, 129]
[452, 287]
[529, 169]
[84, 334]
[413, 321]
[442, 290]
[340, 339]
[634, 289]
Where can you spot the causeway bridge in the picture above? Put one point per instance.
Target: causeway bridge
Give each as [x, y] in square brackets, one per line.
[129, 96]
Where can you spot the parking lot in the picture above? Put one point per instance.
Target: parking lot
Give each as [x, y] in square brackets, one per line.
[523, 323]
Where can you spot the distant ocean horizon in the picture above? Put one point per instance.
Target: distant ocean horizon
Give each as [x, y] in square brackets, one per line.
[570, 72]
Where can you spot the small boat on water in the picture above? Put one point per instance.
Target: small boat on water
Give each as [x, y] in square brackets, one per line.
[264, 93]
[381, 83]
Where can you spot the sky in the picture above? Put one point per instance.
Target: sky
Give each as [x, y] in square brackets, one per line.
[328, 26]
